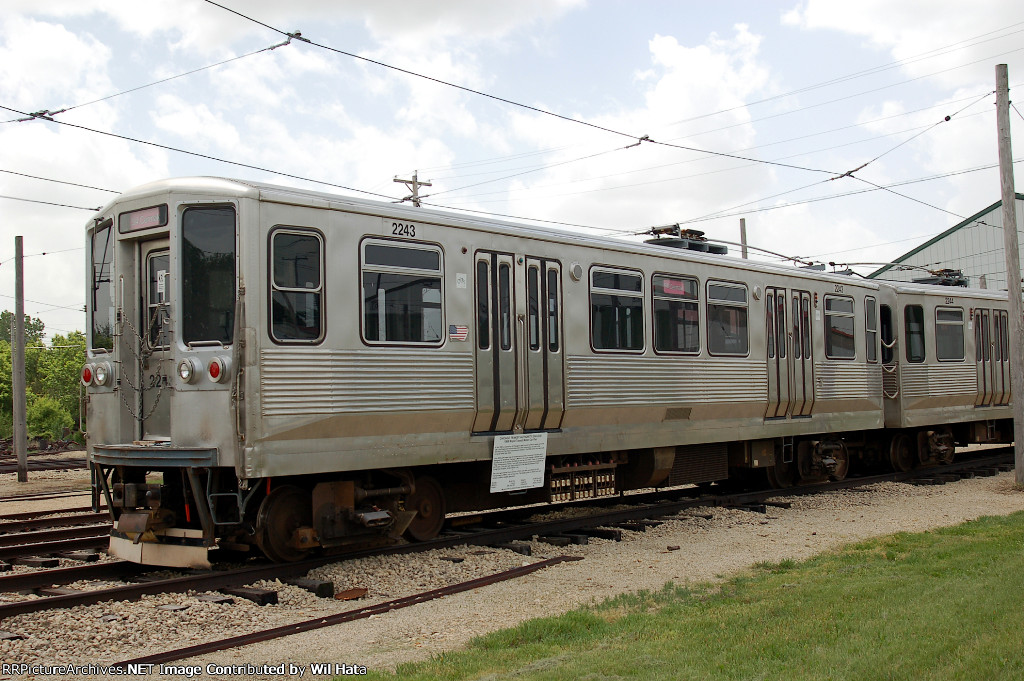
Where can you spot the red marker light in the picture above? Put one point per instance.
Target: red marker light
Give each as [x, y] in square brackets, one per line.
[87, 374]
[215, 370]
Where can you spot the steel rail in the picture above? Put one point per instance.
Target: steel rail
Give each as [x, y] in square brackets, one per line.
[52, 547]
[11, 526]
[21, 538]
[476, 537]
[25, 581]
[347, 616]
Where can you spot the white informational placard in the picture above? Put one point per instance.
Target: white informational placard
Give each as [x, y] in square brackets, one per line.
[518, 461]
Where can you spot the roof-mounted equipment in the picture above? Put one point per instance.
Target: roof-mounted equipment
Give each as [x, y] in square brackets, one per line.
[674, 236]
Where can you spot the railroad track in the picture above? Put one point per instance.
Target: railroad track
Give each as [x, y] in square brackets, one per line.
[499, 529]
[43, 496]
[47, 465]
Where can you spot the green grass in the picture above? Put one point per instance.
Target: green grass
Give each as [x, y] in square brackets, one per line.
[947, 604]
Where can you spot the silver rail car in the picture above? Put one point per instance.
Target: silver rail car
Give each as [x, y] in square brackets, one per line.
[285, 369]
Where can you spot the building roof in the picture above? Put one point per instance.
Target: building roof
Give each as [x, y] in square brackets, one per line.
[935, 239]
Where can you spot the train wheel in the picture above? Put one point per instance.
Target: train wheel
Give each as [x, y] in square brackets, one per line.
[901, 453]
[283, 511]
[428, 502]
[783, 475]
[842, 457]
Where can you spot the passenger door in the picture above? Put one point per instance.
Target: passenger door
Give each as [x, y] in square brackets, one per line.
[992, 357]
[519, 357]
[153, 336]
[776, 334]
[802, 356]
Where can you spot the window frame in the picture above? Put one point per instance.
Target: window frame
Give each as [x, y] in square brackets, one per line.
[826, 313]
[963, 331]
[106, 262]
[439, 274]
[718, 302]
[272, 284]
[654, 324]
[639, 295]
[907, 335]
[871, 334]
[183, 280]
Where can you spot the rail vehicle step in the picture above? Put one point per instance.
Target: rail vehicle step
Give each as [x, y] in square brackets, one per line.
[555, 540]
[219, 599]
[518, 547]
[318, 587]
[83, 556]
[257, 596]
[36, 561]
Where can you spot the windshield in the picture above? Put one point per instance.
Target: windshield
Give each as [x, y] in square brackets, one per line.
[208, 274]
[101, 301]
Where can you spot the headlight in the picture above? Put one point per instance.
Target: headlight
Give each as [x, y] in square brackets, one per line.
[102, 372]
[188, 370]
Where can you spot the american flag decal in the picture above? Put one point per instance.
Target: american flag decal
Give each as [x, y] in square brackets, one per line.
[458, 332]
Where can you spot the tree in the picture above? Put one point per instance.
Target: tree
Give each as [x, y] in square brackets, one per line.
[46, 418]
[33, 328]
[58, 369]
[52, 376]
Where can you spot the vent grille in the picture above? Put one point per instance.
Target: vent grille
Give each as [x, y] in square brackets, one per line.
[700, 463]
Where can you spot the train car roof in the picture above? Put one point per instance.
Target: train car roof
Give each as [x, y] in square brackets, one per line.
[234, 188]
[950, 291]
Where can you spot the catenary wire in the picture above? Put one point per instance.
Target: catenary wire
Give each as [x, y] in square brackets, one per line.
[49, 179]
[47, 203]
[578, 121]
[46, 112]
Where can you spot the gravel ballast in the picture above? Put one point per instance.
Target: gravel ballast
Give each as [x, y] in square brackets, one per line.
[730, 541]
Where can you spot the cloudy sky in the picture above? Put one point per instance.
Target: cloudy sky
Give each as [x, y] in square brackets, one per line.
[753, 109]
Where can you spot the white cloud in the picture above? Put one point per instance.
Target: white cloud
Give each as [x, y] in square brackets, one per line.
[939, 38]
[623, 188]
[195, 122]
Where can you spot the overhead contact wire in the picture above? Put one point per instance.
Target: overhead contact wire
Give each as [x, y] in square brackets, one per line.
[206, 156]
[636, 138]
[47, 112]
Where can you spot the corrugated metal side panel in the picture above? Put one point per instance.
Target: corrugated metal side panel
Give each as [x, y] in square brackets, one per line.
[920, 380]
[844, 381]
[699, 463]
[890, 381]
[612, 381]
[312, 381]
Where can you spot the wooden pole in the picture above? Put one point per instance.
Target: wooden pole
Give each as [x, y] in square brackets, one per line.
[18, 364]
[1012, 266]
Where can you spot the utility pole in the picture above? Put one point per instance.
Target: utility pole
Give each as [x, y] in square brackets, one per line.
[414, 186]
[743, 237]
[18, 364]
[1013, 287]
